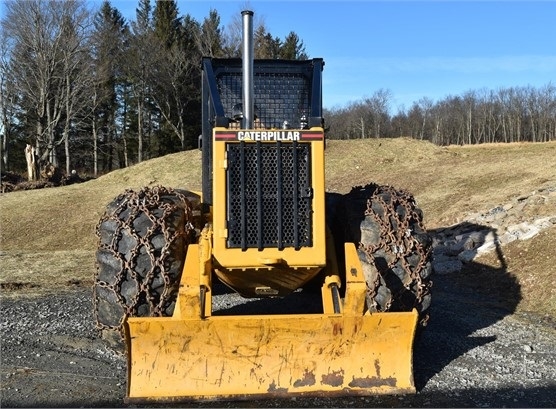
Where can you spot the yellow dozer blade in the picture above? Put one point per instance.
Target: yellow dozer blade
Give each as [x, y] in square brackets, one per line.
[353, 352]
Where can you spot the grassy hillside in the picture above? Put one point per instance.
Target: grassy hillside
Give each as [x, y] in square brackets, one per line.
[48, 234]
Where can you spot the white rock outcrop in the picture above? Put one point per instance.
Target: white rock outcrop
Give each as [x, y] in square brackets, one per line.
[484, 232]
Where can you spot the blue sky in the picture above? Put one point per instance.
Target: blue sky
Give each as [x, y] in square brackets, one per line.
[415, 49]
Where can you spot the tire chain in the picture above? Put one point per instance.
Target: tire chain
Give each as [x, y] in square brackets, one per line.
[129, 205]
[398, 242]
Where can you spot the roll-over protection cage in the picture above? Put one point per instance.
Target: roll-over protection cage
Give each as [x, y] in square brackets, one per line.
[287, 95]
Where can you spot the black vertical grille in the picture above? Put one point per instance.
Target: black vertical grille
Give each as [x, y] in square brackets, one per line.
[270, 197]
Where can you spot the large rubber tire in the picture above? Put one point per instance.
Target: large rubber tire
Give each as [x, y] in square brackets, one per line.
[393, 246]
[142, 243]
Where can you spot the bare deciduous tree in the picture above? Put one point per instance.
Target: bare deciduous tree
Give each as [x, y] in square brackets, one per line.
[47, 62]
[7, 102]
[378, 105]
[209, 37]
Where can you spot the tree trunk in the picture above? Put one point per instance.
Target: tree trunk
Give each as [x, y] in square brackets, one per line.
[139, 130]
[67, 151]
[95, 147]
[32, 165]
[126, 158]
[4, 150]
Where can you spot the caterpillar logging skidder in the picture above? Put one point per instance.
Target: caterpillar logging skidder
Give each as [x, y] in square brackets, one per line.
[264, 226]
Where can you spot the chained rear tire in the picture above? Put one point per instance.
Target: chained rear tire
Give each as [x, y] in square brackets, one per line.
[393, 246]
[142, 243]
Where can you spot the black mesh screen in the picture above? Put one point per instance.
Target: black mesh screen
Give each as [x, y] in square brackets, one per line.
[269, 195]
[279, 97]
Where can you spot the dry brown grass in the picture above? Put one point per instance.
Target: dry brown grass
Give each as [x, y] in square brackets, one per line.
[31, 273]
[47, 235]
[64, 218]
[448, 182]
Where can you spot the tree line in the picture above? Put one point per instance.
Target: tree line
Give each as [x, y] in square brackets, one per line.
[88, 90]
[85, 89]
[514, 114]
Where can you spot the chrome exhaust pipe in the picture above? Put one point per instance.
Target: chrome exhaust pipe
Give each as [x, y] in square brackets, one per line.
[247, 70]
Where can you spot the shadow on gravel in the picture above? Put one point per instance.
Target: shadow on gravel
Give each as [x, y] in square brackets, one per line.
[463, 301]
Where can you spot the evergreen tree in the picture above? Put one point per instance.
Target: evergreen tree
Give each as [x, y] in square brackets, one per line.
[108, 49]
[167, 77]
[143, 17]
[293, 48]
[167, 25]
[265, 45]
[140, 115]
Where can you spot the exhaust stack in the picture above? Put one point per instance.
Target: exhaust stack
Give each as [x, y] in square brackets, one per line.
[247, 69]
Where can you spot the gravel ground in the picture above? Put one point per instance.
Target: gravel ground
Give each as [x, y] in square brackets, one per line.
[472, 354]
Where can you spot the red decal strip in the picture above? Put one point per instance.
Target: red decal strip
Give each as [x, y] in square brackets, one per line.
[225, 136]
[311, 136]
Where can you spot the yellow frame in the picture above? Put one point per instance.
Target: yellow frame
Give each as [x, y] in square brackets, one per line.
[308, 261]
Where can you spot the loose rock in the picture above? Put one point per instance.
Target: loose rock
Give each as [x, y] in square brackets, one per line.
[483, 232]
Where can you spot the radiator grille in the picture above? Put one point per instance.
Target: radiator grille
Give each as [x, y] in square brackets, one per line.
[269, 195]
